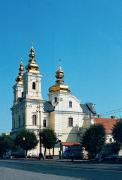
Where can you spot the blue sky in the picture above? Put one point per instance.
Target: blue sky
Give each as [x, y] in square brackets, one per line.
[86, 35]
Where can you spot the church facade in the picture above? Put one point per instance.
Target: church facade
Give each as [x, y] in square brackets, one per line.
[62, 112]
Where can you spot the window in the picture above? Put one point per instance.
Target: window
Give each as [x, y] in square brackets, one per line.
[44, 123]
[14, 125]
[19, 122]
[70, 104]
[34, 120]
[33, 85]
[55, 99]
[23, 122]
[70, 123]
[110, 140]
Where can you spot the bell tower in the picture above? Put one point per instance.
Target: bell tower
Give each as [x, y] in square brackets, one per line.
[18, 87]
[32, 79]
[17, 117]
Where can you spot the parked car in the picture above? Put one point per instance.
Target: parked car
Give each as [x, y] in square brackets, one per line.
[108, 158]
[6, 156]
[72, 152]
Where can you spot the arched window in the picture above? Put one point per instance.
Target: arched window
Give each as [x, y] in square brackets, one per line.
[14, 123]
[70, 104]
[55, 99]
[23, 120]
[70, 123]
[110, 140]
[34, 120]
[33, 85]
[19, 122]
[44, 123]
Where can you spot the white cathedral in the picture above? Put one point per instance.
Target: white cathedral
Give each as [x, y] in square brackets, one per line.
[63, 112]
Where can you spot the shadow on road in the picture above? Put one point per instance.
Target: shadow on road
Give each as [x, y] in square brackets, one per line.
[62, 169]
[45, 167]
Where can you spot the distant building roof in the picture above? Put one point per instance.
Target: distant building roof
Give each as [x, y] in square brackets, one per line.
[88, 108]
[108, 123]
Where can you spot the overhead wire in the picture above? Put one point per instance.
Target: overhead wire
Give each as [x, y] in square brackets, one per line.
[111, 112]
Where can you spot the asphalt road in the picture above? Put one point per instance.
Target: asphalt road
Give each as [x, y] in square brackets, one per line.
[53, 170]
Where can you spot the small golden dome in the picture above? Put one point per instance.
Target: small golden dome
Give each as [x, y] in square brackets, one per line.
[21, 68]
[59, 86]
[19, 78]
[32, 66]
[59, 73]
[32, 53]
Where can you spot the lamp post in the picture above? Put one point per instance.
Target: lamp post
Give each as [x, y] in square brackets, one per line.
[39, 128]
[24, 143]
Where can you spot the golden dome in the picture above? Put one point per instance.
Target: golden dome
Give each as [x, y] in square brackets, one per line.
[32, 66]
[19, 78]
[59, 86]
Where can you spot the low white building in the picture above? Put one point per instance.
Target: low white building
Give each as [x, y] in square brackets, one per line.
[63, 112]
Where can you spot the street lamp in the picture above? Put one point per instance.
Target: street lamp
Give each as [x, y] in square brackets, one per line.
[24, 143]
[39, 128]
[60, 146]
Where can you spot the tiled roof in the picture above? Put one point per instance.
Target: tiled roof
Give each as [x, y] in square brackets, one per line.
[108, 123]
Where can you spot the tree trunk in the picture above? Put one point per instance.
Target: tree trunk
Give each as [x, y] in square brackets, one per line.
[49, 152]
[26, 151]
[53, 151]
[44, 151]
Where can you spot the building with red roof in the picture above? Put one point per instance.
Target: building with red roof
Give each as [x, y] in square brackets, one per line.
[108, 124]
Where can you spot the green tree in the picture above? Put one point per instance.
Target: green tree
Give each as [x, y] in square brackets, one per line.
[93, 139]
[2, 146]
[117, 132]
[6, 144]
[26, 140]
[48, 139]
[110, 149]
